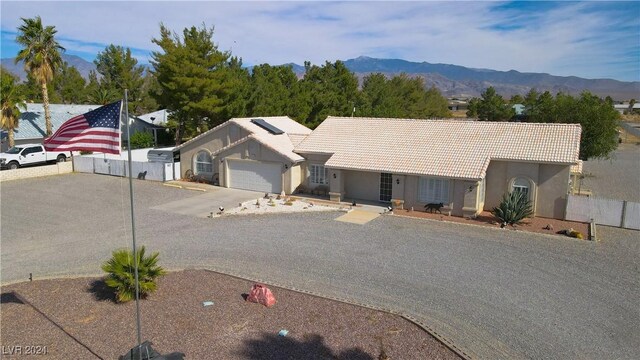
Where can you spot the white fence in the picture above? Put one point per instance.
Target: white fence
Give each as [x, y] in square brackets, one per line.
[116, 167]
[620, 213]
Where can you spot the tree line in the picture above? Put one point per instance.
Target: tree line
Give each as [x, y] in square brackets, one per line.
[203, 86]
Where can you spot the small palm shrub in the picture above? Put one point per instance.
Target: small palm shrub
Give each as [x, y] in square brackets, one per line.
[120, 271]
[514, 207]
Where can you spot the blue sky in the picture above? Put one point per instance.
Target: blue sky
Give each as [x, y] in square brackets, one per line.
[587, 39]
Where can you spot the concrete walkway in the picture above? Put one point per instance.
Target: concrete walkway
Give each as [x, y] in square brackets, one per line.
[357, 216]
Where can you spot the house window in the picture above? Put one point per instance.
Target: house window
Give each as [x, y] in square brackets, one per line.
[318, 175]
[203, 163]
[521, 185]
[433, 190]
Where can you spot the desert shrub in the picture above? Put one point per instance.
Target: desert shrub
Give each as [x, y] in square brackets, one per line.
[141, 139]
[514, 207]
[120, 271]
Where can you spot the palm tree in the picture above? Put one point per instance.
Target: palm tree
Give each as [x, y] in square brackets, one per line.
[41, 56]
[11, 100]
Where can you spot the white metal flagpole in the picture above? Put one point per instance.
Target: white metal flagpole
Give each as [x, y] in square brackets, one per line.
[133, 226]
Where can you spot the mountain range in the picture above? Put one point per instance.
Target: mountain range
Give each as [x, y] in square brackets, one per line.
[451, 80]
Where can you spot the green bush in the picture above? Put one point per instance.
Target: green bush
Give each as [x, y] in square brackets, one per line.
[514, 207]
[120, 271]
[141, 139]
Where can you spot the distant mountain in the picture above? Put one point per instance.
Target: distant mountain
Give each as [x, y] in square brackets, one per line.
[460, 81]
[451, 80]
[83, 66]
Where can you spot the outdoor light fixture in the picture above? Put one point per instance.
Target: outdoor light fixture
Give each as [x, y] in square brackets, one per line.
[334, 175]
[397, 181]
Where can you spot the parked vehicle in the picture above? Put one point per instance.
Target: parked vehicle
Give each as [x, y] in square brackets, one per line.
[30, 154]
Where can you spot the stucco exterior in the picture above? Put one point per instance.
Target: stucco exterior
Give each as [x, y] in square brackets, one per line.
[212, 142]
[548, 186]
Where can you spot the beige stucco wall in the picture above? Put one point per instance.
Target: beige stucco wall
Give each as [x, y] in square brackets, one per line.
[211, 142]
[549, 191]
[552, 190]
[361, 185]
[292, 178]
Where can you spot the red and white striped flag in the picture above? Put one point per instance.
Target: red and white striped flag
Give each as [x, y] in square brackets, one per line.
[98, 130]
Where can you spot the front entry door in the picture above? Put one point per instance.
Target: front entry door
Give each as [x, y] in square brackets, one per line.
[386, 183]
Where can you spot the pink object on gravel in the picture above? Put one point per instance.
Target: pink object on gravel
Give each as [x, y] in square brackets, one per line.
[262, 295]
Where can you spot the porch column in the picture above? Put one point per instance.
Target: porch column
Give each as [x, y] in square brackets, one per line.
[470, 205]
[336, 185]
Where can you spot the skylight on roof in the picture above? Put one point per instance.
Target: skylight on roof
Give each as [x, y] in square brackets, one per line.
[265, 125]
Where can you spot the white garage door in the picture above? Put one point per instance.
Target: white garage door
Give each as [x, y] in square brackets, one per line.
[255, 175]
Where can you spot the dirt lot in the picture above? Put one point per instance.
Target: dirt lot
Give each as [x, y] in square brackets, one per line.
[78, 319]
[536, 224]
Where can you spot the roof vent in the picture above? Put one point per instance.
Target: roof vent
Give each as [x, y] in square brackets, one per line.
[265, 125]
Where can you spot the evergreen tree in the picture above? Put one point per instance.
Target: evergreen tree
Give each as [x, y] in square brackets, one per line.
[330, 89]
[490, 107]
[237, 92]
[272, 90]
[193, 79]
[121, 71]
[69, 85]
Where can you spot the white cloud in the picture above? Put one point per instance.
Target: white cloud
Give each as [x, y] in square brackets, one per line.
[567, 39]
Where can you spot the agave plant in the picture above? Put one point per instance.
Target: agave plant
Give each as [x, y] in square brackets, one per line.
[120, 271]
[514, 207]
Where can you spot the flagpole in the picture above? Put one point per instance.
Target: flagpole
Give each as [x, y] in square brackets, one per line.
[133, 226]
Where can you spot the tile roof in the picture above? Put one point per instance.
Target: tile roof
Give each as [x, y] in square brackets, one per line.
[446, 148]
[283, 144]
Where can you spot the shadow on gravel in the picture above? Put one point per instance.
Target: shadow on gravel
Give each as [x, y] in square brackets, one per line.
[312, 347]
[101, 291]
[10, 297]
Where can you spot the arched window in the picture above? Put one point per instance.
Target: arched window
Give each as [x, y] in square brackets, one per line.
[522, 185]
[203, 163]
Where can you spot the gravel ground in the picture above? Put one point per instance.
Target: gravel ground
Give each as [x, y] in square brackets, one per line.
[494, 293]
[77, 319]
[616, 178]
[289, 204]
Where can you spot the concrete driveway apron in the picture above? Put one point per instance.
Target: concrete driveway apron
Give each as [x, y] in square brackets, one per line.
[209, 201]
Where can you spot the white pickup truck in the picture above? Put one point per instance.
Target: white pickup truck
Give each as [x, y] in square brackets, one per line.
[30, 154]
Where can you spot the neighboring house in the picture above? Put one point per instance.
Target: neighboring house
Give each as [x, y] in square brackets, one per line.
[623, 108]
[159, 117]
[248, 153]
[466, 165]
[32, 127]
[458, 105]
[519, 109]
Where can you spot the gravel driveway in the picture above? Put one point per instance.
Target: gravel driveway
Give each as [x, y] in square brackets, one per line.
[494, 293]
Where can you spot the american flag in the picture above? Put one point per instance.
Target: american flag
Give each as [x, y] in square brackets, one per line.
[98, 130]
